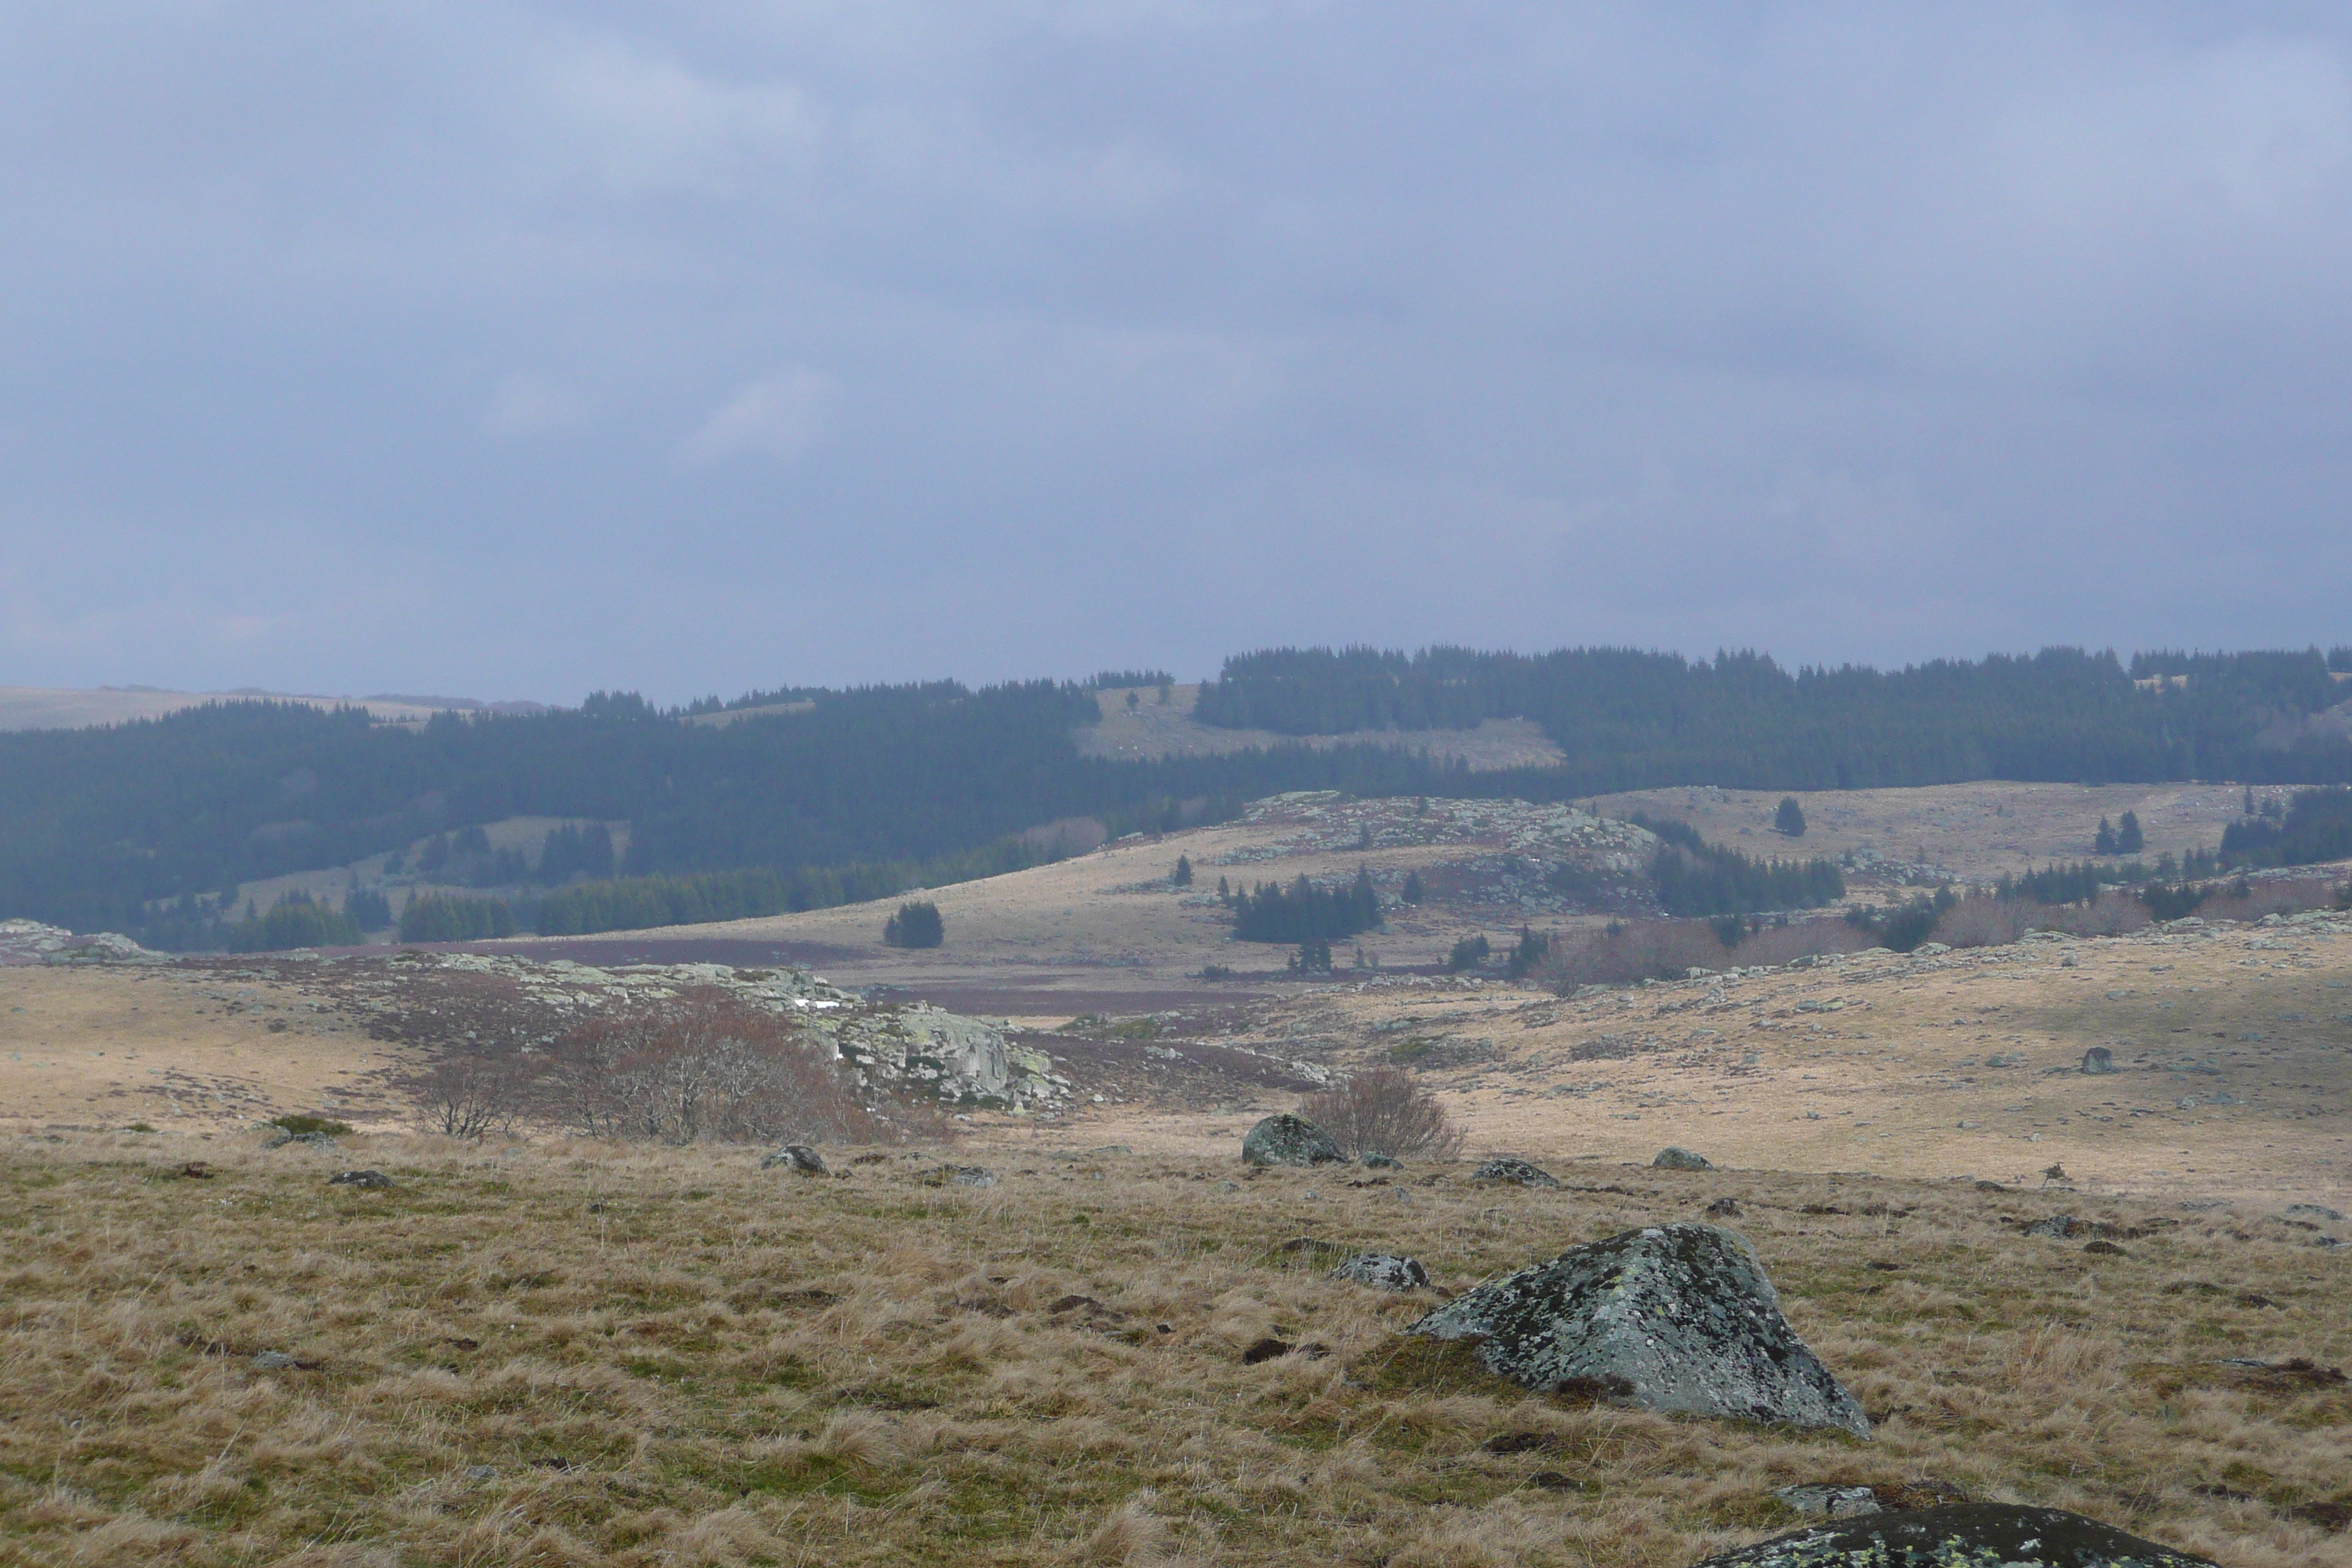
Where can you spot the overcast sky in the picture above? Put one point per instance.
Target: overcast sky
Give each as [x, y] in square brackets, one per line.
[514, 350]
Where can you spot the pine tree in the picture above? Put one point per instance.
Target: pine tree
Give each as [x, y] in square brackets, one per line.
[1224, 892]
[917, 925]
[2129, 837]
[1791, 819]
[1183, 876]
[2105, 842]
[1413, 891]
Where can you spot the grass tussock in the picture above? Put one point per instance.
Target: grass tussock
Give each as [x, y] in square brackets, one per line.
[583, 1353]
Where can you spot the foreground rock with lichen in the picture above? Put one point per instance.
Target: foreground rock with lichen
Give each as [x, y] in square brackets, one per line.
[1674, 1318]
[1960, 1535]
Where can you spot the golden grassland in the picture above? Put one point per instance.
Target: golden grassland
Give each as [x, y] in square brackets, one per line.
[581, 1354]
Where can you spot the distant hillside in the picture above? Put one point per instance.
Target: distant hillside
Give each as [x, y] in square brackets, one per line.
[1628, 720]
[857, 794]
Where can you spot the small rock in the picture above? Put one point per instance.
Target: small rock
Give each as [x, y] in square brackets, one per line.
[1226, 1186]
[279, 1361]
[307, 1140]
[1383, 1271]
[372, 1180]
[2105, 1250]
[2060, 1224]
[1829, 1501]
[2067, 961]
[1680, 1159]
[481, 1472]
[1378, 1162]
[796, 1157]
[1511, 1169]
[2313, 1211]
[2098, 1060]
[960, 1176]
[1727, 1206]
[1287, 1140]
[1266, 1348]
[1958, 1535]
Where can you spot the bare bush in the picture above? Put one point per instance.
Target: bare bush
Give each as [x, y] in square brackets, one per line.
[1382, 1111]
[475, 1091]
[710, 1066]
[1980, 921]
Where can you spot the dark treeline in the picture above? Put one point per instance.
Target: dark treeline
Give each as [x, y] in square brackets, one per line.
[453, 917]
[1696, 878]
[1304, 912]
[1630, 720]
[2317, 826]
[151, 827]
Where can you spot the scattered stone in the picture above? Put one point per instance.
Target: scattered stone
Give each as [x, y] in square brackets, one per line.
[1681, 1315]
[960, 1176]
[307, 1140]
[1266, 1348]
[2098, 1060]
[2105, 1250]
[372, 1180]
[279, 1361]
[796, 1157]
[2313, 1211]
[1554, 1481]
[481, 1472]
[1383, 1271]
[1378, 1162]
[1725, 1207]
[1959, 1535]
[2060, 1224]
[1287, 1140]
[1226, 1186]
[1829, 1501]
[1510, 1168]
[1680, 1159]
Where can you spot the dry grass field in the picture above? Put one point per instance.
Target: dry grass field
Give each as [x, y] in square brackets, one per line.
[568, 1354]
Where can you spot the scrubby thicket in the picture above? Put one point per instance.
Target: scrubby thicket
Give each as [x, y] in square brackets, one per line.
[700, 1067]
[1629, 719]
[581, 1354]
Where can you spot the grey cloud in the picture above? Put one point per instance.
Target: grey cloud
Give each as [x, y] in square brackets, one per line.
[528, 347]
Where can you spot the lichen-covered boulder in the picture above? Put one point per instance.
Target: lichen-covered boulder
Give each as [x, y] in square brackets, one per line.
[1287, 1140]
[1383, 1271]
[1680, 1159]
[1959, 1535]
[1676, 1317]
[374, 1181]
[797, 1157]
[1512, 1170]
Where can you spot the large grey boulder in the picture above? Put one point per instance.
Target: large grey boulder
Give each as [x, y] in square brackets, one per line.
[1680, 1159]
[797, 1157]
[1383, 1271]
[1676, 1317]
[1287, 1140]
[1959, 1535]
[1515, 1172]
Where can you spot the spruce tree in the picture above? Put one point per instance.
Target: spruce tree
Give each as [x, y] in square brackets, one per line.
[2104, 841]
[2129, 837]
[1183, 876]
[1791, 819]
[1413, 891]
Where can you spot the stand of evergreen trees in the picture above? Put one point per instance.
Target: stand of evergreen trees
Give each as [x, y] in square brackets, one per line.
[2317, 826]
[1304, 912]
[1695, 879]
[453, 917]
[295, 920]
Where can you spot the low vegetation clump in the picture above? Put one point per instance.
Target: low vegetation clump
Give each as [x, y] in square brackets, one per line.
[583, 1353]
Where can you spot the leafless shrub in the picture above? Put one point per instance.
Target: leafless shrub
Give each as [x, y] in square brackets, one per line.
[1384, 1110]
[473, 1092]
[709, 1066]
[1984, 921]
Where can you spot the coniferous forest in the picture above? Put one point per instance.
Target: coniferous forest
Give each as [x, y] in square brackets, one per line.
[812, 797]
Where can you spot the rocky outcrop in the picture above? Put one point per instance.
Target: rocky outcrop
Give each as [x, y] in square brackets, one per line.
[1960, 1535]
[1680, 1159]
[797, 1157]
[30, 941]
[1383, 1271]
[374, 1181]
[1510, 1170]
[1676, 1317]
[1287, 1140]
